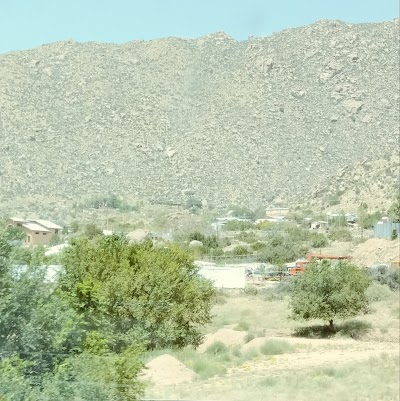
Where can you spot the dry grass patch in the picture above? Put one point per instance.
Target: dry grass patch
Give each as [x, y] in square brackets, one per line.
[376, 379]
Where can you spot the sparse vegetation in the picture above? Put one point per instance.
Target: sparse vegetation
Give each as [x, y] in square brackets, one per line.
[276, 347]
[340, 234]
[383, 274]
[238, 225]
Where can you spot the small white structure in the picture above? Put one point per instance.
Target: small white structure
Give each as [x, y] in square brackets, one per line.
[277, 211]
[323, 225]
[56, 249]
[223, 276]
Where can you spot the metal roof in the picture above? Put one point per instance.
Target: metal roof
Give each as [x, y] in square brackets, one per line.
[17, 219]
[47, 224]
[35, 227]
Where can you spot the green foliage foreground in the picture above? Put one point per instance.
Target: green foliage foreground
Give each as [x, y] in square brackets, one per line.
[137, 293]
[81, 338]
[329, 292]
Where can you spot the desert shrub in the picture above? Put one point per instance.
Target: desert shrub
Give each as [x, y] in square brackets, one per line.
[250, 290]
[242, 326]
[271, 294]
[249, 336]
[276, 347]
[339, 221]
[242, 212]
[394, 211]
[91, 231]
[74, 226]
[385, 275]
[353, 328]
[220, 299]
[217, 348]
[298, 233]
[248, 237]
[240, 250]
[367, 220]
[193, 204]
[318, 240]
[263, 225]
[252, 334]
[331, 372]
[197, 236]
[258, 246]
[268, 382]
[206, 368]
[340, 234]
[378, 292]
[211, 244]
[333, 200]
[110, 201]
[237, 225]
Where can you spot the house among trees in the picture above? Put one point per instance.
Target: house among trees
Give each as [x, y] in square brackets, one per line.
[37, 232]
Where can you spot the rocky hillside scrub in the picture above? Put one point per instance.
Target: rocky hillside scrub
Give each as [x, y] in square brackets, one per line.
[252, 122]
[372, 182]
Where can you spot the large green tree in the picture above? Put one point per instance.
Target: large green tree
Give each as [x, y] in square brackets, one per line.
[137, 293]
[47, 349]
[329, 292]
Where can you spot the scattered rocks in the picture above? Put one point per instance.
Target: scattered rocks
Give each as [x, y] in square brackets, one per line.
[195, 244]
[216, 115]
[352, 106]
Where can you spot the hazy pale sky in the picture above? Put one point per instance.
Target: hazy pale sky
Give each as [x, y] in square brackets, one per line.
[29, 23]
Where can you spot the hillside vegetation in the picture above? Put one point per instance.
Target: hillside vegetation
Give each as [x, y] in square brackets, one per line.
[251, 122]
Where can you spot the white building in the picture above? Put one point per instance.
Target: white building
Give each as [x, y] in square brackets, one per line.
[223, 276]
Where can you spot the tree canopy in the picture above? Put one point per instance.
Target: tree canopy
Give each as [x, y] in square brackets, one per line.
[147, 295]
[47, 350]
[81, 338]
[329, 292]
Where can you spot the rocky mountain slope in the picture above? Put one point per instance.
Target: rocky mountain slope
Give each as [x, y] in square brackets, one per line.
[251, 122]
[374, 182]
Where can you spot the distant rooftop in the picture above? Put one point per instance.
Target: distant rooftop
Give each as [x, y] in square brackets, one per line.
[17, 220]
[35, 227]
[47, 224]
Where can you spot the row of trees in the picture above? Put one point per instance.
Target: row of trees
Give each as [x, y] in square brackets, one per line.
[81, 337]
[280, 243]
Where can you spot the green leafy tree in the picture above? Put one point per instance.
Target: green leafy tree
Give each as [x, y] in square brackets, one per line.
[91, 230]
[329, 292]
[365, 219]
[282, 249]
[209, 241]
[74, 226]
[144, 294]
[243, 212]
[318, 240]
[237, 225]
[48, 351]
[193, 204]
[394, 211]
[240, 250]
[340, 234]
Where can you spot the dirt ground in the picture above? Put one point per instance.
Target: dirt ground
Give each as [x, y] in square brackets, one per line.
[166, 370]
[375, 251]
[339, 355]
